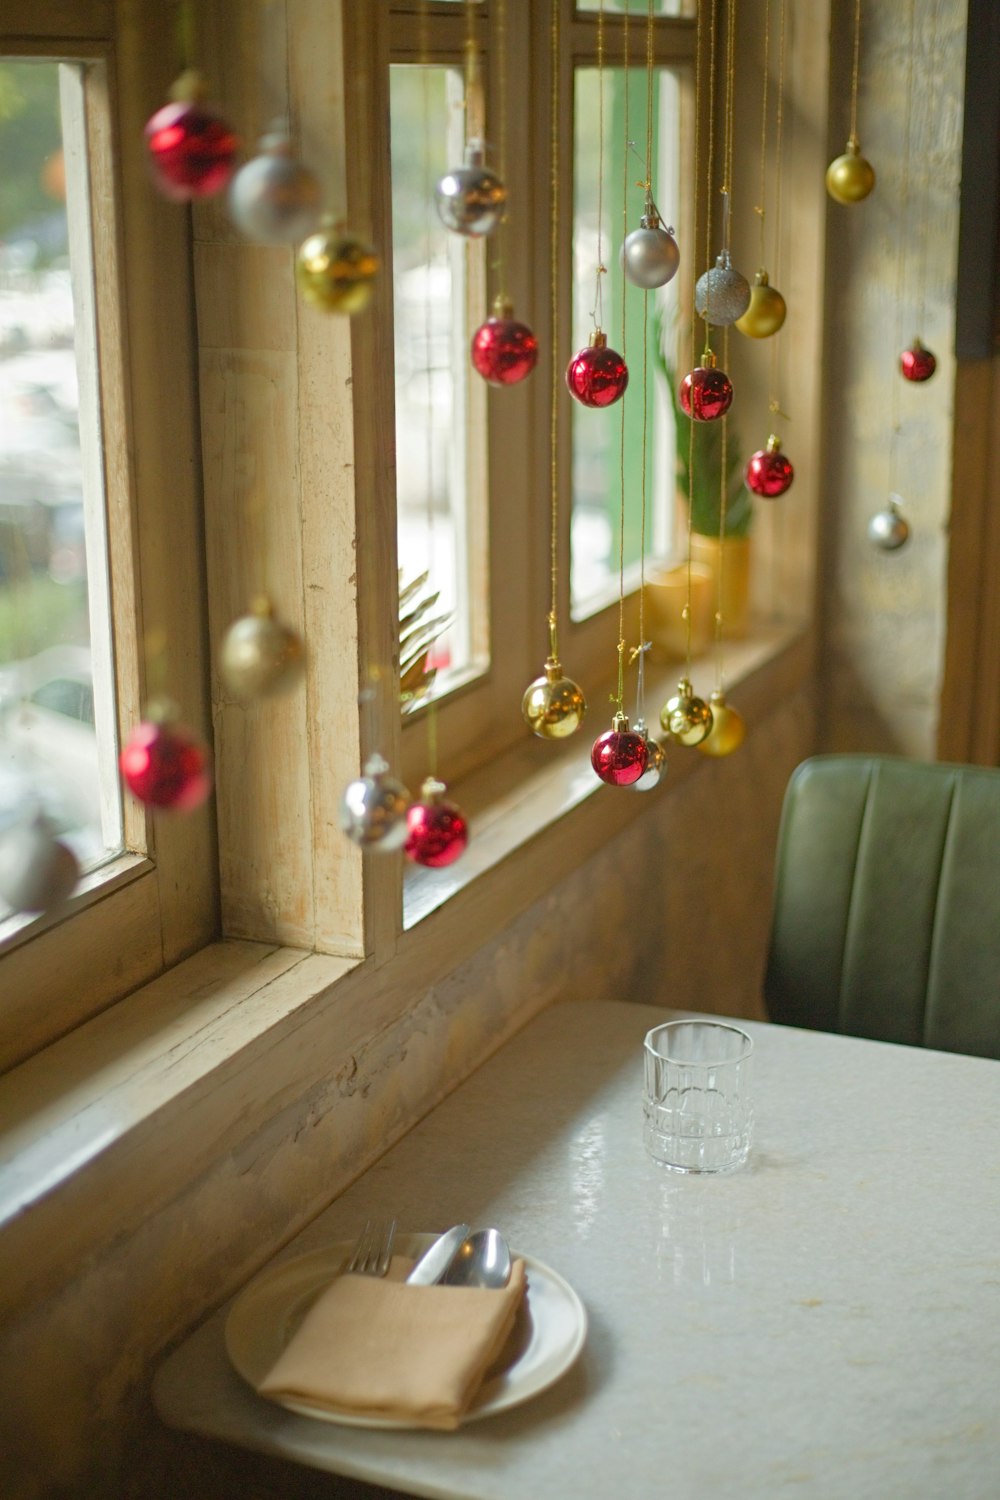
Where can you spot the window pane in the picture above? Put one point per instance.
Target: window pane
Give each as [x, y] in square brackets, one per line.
[57, 741]
[637, 8]
[440, 418]
[597, 434]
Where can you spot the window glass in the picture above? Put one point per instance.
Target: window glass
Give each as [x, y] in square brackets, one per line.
[440, 419]
[597, 434]
[57, 735]
[638, 9]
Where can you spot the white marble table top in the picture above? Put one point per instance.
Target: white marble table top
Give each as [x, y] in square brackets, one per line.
[823, 1324]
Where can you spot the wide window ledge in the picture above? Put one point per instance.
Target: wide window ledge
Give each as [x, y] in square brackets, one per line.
[118, 1116]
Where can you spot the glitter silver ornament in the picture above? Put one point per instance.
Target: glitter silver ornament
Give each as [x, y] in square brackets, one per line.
[656, 762]
[373, 809]
[37, 872]
[721, 295]
[649, 255]
[471, 199]
[888, 529]
[274, 198]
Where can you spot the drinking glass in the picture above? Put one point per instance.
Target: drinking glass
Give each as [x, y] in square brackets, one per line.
[696, 1101]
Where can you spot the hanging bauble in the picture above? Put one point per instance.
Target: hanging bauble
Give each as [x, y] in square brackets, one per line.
[436, 831]
[192, 152]
[37, 871]
[722, 294]
[597, 375]
[619, 756]
[553, 706]
[649, 255]
[656, 761]
[373, 808]
[471, 199]
[164, 764]
[766, 312]
[888, 529]
[849, 178]
[259, 655]
[686, 719]
[273, 197]
[707, 392]
[503, 350]
[768, 472]
[728, 727]
[335, 270]
[917, 363]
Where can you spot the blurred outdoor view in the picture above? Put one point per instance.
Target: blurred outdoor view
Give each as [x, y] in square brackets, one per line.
[48, 744]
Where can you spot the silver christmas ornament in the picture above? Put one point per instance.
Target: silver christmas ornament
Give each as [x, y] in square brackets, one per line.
[471, 199]
[274, 198]
[721, 295]
[373, 809]
[888, 529]
[656, 762]
[37, 872]
[649, 255]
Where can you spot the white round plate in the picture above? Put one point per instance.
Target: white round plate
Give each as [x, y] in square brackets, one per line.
[547, 1337]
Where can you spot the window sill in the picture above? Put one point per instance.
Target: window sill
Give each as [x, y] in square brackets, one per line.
[112, 1121]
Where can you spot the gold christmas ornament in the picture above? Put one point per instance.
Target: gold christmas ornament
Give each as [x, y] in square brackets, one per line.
[335, 270]
[766, 312]
[37, 872]
[850, 178]
[686, 719]
[259, 655]
[728, 728]
[553, 706]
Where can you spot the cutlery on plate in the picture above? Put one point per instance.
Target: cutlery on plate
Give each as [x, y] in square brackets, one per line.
[482, 1259]
[434, 1262]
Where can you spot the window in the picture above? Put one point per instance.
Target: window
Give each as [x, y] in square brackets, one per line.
[98, 521]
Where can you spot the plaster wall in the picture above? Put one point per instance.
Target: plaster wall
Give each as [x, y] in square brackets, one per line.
[674, 911]
[888, 256]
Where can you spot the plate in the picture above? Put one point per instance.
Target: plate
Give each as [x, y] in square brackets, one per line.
[547, 1336]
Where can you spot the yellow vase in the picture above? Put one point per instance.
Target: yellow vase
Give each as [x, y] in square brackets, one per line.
[732, 560]
[666, 596]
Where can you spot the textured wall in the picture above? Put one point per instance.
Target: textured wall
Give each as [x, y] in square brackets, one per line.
[884, 613]
[675, 911]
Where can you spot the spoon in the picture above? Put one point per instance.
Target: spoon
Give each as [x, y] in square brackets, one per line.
[483, 1259]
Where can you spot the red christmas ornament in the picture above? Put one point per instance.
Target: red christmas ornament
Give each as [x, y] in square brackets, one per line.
[917, 363]
[597, 376]
[165, 765]
[437, 832]
[619, 757]
[768, 471]
[191, 151]
[707, 393]
[503, 350]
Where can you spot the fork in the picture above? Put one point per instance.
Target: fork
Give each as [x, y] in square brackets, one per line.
[373, 1251]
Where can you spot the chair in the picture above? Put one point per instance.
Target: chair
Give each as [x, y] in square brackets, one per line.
[887, 903]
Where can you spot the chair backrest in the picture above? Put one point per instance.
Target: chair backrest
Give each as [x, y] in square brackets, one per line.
[887, 903]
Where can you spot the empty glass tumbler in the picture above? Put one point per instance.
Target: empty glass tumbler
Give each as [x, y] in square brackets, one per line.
[696, 1101]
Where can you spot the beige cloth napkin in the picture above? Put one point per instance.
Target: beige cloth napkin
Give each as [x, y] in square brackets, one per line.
[380, 1348]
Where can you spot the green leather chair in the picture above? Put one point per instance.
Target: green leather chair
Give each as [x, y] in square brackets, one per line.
[887, 903]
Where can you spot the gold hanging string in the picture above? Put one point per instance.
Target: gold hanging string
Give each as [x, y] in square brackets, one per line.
[904, 215]
[760, 206]
[723, 500]
[855, 70]
[627, 146]
[187, 34]
[554, 305]
[698, 74]
[500, 262]
[773, 400]
[597, 312]
[710, 172]
[424, 62]
[923, 216]
[642, 647]
[724, 455]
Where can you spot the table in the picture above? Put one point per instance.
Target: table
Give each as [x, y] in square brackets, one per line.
[823, 1324]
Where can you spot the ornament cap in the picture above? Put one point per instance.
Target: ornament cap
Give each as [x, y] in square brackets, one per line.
[773, 444]
[376, 765]
[708, 360]
[762, 278]
[650, 219]
[717, 698]
[503, 307]
[162, 710]
[432, 790]
[853, 147]
[261, 606]
[553, 669]
[277, 141]
[598, 340]
[619, 723]
[724, 261]
[475, 153]
[684, 688]
[188, 87]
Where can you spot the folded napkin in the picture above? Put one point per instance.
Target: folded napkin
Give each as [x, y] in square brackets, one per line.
[380, 1348]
